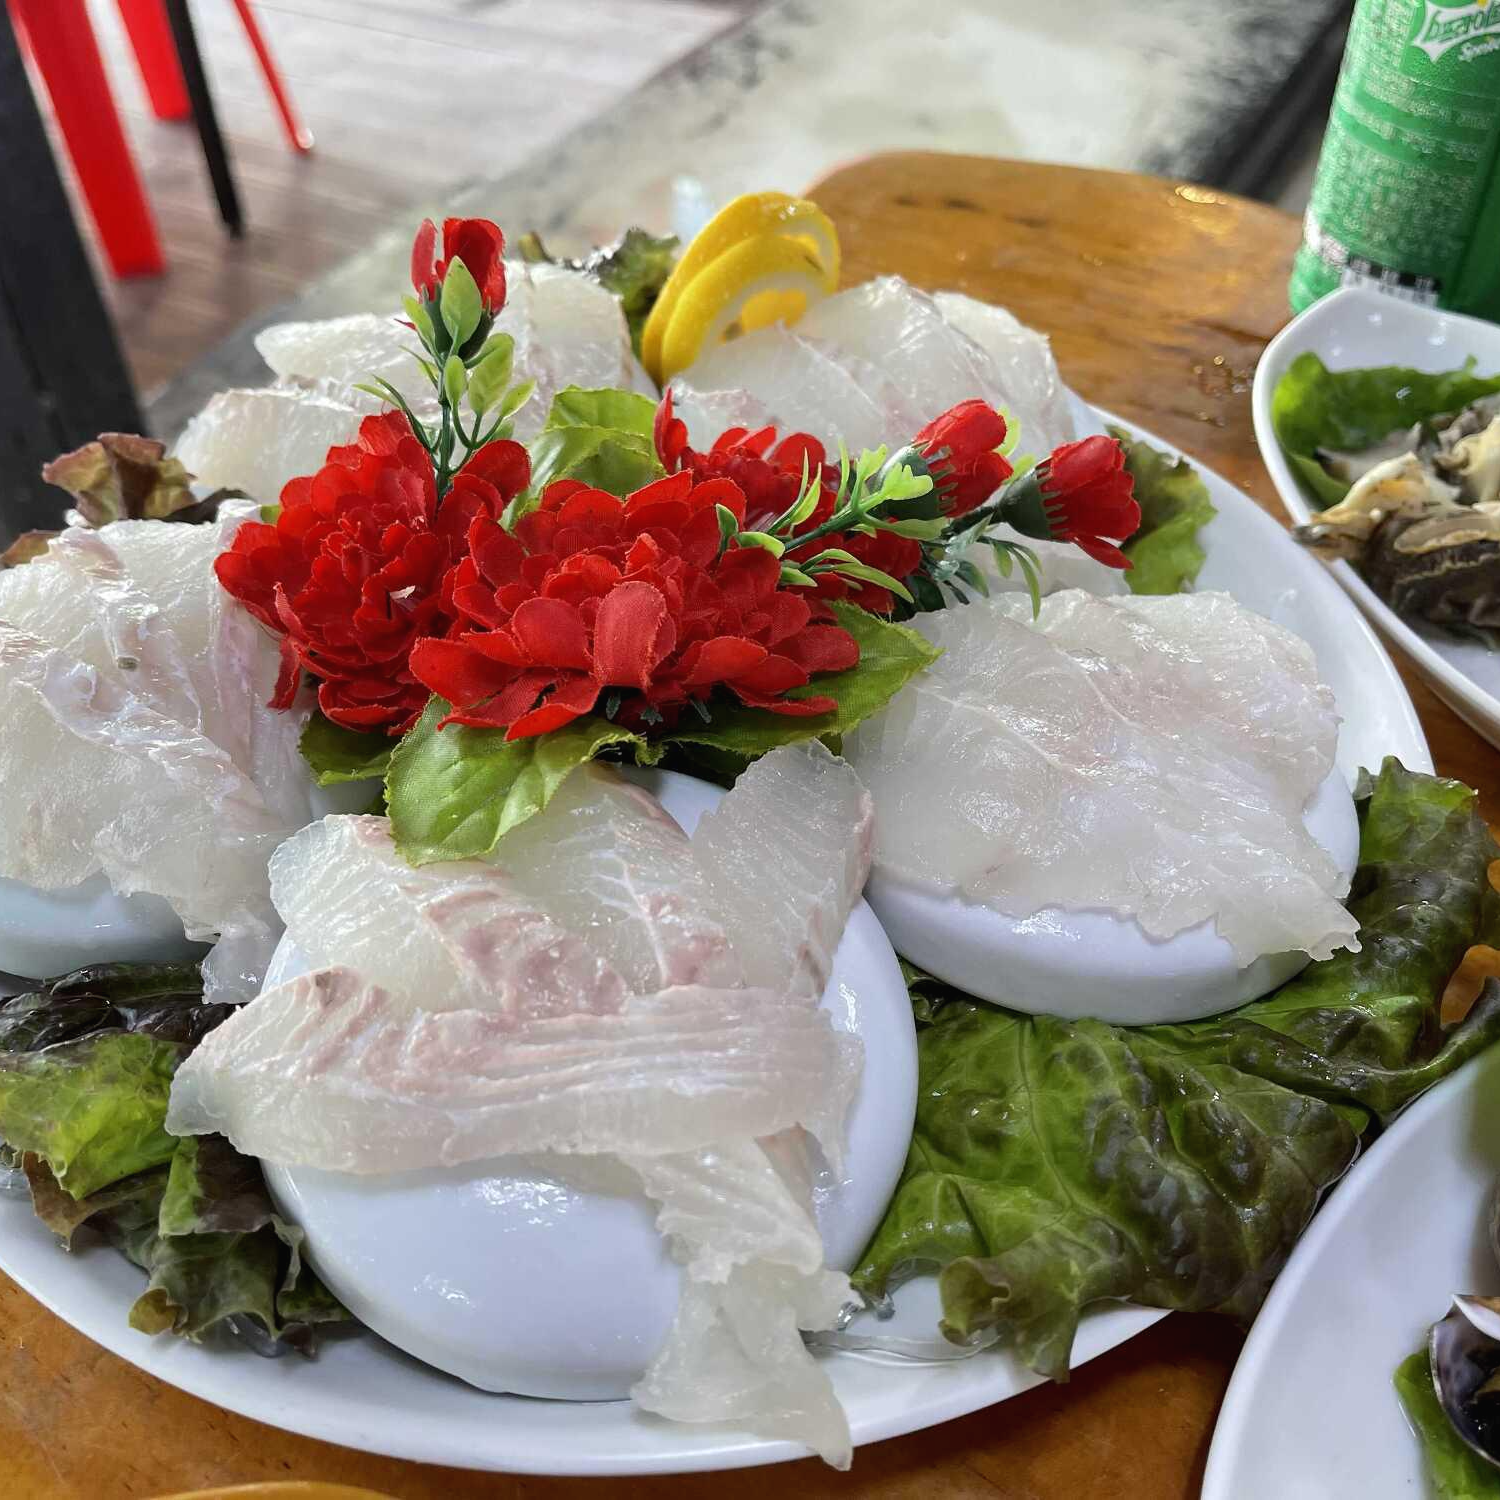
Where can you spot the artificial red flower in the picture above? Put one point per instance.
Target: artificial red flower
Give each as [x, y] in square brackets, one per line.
[631, 602]
[478, 243]
[960, 447]
[769, 474]
[1088, 496]
[351, 574]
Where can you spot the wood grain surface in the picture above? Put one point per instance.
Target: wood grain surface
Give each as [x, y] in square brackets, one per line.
[1159, 298]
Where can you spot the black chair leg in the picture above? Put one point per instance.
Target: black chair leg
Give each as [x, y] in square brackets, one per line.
[215, 153]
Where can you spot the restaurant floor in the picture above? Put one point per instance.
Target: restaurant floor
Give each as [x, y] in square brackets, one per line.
[576, 117]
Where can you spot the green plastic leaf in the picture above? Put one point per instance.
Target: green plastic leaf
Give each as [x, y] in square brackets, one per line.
[599, 437]
[1454, 1472]
[1056, 1164]
[460, 304]
[760, 539]
[92, 1109]
[336, 754]
[453, 792]
[421, 319]
[492, 373]
[1314, 407]
[1165, 552]
[889, 657]
[455, 380]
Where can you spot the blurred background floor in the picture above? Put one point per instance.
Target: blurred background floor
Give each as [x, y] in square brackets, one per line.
[577, 117]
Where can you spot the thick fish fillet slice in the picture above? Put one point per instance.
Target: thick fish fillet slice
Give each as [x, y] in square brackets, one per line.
[785, 856]
[445, 937]
[331, 1071]
[1025, 772]
[346, 352]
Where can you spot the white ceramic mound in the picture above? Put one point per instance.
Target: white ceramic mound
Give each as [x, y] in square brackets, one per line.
[548, 1278]
[43, 933]
[1094, 963]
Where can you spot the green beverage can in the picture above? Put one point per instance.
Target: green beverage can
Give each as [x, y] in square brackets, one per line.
[1407, 193]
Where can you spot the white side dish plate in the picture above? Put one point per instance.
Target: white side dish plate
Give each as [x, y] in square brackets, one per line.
[1311, 1411]
[364, 1394]
[1353, 329]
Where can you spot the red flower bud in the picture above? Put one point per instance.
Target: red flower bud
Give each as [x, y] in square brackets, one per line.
[1088, 496]
[478, 243]
[960, 448]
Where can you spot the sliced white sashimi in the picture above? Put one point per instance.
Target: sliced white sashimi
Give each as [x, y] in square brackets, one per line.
[453, 936]
[257, 440]
[873, 365]
[785, 855]
[332, 1071]
[610, 864]
[97, 778]
[347, 352]
[1026, 773]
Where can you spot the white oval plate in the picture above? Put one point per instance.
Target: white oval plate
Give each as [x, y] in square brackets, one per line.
[365, 1394]
[1352, 329]
[1310, 1411]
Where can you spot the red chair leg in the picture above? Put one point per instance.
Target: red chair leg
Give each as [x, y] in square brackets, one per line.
[67, 57]
[296, 132]
[156, 57]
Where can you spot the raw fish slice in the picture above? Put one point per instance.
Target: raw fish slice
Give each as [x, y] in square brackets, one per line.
[736, 1354]
[1024, 776]
[445, 937]
[347, 352]
[257, 440]
[785, 856]
[568, 331]
[611, 865]
[1060, 565]
[97, 778]
[1256, 685]
[1025, 368]
[805, 385]
[331, 1071]
[709, 413]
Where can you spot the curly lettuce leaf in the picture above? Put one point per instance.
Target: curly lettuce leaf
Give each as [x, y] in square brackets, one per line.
[1455, 1472]
[335, 754]
[1056, 1163]
[454, 792]
[635, 268]
[601, 438]
[1165, 553]
[92, 1109]
[121, 476]
[1314, 407]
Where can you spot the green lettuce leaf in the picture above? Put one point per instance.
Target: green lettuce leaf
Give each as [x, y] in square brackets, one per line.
[635, 268]
[1165, 552]
[1455, 1472]
[92, 1109]
[1056, 1163]
[1314, 407]
[336, 754]
[453, 792]
[602, 438]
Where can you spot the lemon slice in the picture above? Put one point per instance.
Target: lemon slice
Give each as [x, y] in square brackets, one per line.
[807, 240]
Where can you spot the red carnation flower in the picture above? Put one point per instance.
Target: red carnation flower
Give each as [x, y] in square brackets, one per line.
[351, 574]
[478, 243]
[769, 474]
[960, 447]
[1088, 496]
[631, 601]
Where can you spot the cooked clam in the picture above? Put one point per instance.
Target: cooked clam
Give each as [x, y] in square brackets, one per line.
[1473, 463]
[1354, 465]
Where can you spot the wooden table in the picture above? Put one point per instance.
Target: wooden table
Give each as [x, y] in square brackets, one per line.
[1159, 298]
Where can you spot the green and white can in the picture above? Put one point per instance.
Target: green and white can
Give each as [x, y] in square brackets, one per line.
[1406, 197]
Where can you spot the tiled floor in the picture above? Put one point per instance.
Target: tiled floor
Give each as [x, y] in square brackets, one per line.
[407, 99]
